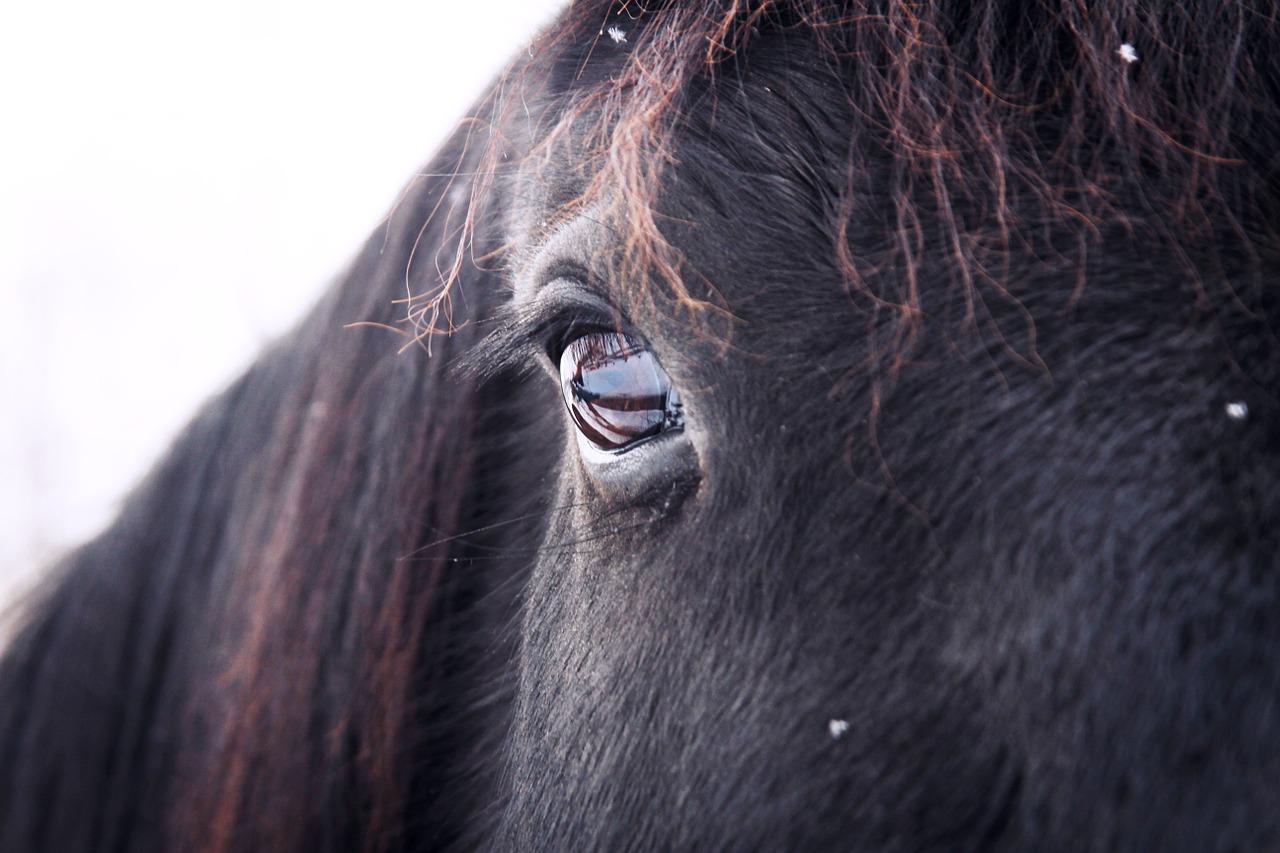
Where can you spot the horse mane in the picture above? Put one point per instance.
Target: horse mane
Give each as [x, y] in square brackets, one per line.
[263, 629]
[276, 644]
[997, 121]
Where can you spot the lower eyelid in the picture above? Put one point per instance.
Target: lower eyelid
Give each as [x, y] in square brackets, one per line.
[632, 476]
[598, 456]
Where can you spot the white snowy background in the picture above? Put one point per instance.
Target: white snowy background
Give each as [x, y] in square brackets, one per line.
[178, 182]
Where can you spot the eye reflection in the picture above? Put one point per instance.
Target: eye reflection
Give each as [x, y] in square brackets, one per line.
[617, 393]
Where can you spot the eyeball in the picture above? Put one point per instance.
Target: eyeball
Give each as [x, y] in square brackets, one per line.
[617, 393]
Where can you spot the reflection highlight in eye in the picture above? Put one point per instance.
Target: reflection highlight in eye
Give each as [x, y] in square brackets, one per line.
[617, 393]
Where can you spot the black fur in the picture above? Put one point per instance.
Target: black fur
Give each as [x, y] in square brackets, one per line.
[990, 564]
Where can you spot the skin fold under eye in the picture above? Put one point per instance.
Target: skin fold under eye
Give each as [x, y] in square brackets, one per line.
[617, 393]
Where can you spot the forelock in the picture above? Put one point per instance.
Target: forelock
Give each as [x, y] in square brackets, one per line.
[979, 124]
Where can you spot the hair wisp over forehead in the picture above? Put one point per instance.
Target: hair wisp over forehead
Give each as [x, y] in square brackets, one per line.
[1001, 120]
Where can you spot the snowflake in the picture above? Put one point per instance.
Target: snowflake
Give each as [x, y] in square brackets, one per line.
[618, 34]
[1127, 53]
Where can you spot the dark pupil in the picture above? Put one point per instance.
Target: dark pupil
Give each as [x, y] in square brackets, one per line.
[616, 391]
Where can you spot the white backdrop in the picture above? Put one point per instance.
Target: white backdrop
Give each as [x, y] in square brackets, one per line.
[177, 183]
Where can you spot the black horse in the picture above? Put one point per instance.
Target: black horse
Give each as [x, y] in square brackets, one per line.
[822, 425]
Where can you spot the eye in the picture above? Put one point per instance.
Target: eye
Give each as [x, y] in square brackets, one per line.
[617, 393]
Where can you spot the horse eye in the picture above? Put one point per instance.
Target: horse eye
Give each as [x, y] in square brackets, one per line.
[617, 393]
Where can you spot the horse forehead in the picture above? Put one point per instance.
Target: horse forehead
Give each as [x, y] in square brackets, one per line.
[745, 151]
[546, 248]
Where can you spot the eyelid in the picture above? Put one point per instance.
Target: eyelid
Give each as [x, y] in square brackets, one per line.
[534, 333]
[565, 310]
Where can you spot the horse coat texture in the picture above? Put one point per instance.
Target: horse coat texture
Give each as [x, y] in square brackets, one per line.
[844, 426]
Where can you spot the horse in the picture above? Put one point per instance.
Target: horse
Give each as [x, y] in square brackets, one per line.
[765, 424]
